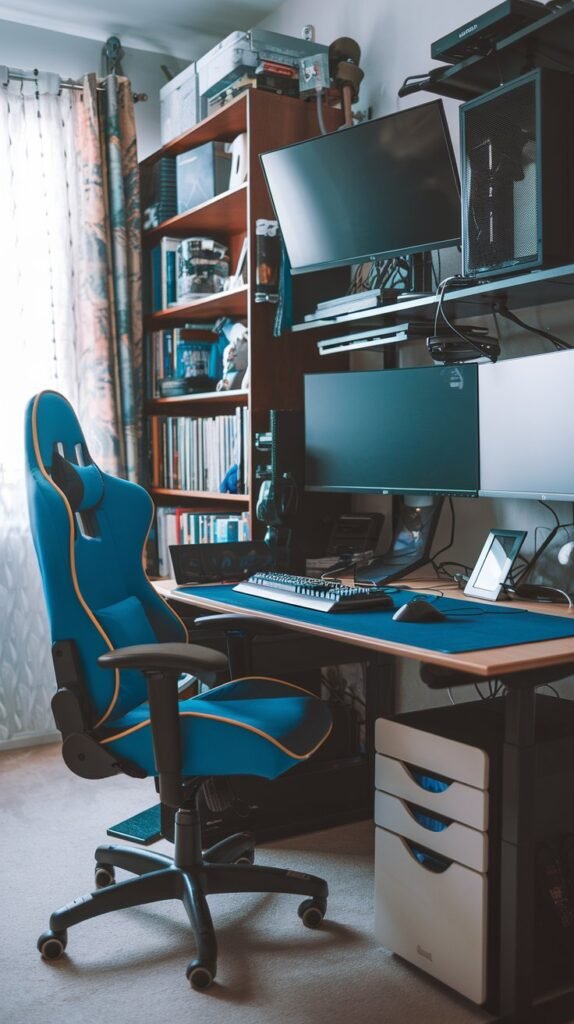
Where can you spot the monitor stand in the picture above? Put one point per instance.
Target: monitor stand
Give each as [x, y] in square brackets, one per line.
[411, 545]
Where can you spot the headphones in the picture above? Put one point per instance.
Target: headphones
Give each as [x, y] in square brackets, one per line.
[278, 498]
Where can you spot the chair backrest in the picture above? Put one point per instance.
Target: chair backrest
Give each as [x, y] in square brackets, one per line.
[89, 531]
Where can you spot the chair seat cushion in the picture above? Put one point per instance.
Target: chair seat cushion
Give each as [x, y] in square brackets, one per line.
[253, 726]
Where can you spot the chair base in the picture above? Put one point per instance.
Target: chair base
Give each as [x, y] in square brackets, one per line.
[190, 876]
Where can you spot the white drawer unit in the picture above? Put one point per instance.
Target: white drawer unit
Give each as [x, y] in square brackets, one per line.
[447, 797]
[432, 913]
[448, 757]
[465, 845]
[432, 807]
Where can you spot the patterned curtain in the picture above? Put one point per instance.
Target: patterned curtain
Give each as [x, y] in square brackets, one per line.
[109, 327]
[70, 290]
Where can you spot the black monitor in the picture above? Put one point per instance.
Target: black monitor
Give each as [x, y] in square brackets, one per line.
[384, 188]
[527, 427]
[409, 431]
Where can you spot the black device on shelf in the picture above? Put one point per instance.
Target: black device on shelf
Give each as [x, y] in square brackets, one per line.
[517, 152]
[479, 35]
[382, 188]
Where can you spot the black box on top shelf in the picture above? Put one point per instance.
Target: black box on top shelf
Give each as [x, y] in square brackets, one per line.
[517, 153]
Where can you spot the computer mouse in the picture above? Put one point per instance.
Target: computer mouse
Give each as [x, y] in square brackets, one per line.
[418, 610]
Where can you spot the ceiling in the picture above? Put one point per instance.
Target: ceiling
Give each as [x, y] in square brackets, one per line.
[181, 28]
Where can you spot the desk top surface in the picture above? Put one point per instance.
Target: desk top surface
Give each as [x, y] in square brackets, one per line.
[489, 662]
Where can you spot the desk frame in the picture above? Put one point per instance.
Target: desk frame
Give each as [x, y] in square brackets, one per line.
[521, 667]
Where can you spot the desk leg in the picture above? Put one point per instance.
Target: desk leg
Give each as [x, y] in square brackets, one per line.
[517, 856]
[379, 698]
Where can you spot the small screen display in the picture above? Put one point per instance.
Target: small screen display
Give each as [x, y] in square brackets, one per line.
[383, 188]
[492, 570]
[401, 431]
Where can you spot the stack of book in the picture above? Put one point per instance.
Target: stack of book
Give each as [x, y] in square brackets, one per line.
[176, 353]
[178, 526]
[159, 192]
[162, 285]
[195, 454]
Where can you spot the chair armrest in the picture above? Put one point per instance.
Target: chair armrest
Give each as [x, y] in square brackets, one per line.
[162, 665]
[159, 658]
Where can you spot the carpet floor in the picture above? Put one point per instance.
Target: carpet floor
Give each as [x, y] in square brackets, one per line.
[130, 966]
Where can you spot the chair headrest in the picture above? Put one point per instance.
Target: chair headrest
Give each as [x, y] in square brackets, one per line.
[83, 486]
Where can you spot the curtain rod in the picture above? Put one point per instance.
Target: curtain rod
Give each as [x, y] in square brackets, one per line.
[31, 76]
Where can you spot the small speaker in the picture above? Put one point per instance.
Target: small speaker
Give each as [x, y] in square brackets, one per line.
[517, 153]
[217, 563]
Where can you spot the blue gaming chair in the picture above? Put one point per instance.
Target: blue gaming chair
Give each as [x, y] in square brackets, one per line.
[118, 652]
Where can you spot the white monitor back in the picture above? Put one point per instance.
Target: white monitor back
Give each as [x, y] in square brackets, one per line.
[526, 427]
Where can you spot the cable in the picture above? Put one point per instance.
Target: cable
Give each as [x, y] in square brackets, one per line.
[551, 510]
[433, 558]
[478, 346]
[320, 118]
[548, 686]
[558, 343]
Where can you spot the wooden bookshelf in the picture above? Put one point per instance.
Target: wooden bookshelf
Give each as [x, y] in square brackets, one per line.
[276, 364]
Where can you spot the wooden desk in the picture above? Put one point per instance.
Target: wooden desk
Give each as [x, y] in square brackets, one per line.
[521, 667]
[491, 663]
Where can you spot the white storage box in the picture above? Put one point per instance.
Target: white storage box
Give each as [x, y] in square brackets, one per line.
[179, 104]
[433, 914]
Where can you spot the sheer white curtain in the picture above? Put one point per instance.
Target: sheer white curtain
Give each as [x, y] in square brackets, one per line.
[38, 232]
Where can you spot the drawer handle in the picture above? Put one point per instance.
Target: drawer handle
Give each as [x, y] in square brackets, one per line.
[431, 822]
[427, 781]
[428, 860]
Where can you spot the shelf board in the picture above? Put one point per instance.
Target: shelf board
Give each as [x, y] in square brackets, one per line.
[203, 498]
[210, 307]
[547, 42]
[517, 291]
[225, 214]
[222, 126]
[207, 401]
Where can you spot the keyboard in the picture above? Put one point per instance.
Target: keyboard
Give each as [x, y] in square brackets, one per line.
[308, 592]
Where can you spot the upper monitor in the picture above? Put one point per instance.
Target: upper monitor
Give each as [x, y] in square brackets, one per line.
[527, 427]
[383, 188]
[409, 431]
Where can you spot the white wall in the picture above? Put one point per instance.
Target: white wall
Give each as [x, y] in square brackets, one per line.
[395, 38]
[27, 47]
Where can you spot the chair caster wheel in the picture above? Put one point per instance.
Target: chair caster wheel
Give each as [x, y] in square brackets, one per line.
[312, 912]
[199, 975]
[247, 857]
[104, 875]
[51, 945]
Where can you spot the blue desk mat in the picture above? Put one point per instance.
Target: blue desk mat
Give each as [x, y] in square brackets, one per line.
[468, 626]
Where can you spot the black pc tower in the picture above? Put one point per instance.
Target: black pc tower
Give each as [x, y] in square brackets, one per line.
[517, 154]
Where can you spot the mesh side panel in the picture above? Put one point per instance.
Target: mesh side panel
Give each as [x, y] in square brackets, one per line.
[500, 180]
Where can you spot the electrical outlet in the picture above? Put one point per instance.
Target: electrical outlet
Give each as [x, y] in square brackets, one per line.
[308, 33]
